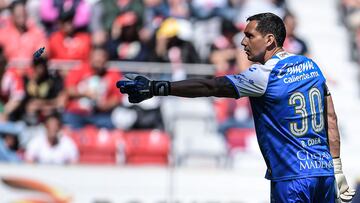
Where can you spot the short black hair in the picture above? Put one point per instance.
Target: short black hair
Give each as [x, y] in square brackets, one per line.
[269, 23]
[53, 114]
[40, 61]
[66, 16]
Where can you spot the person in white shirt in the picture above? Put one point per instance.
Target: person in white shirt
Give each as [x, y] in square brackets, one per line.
[52, 146]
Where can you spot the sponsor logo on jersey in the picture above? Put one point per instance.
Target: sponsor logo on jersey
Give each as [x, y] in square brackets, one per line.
[308, 160]
[295, 72]
[304, 76]
[295, 68]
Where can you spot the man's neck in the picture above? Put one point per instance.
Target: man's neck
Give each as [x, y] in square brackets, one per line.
[272, 53]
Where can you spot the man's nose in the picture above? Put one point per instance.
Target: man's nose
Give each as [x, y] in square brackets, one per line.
[243, 42]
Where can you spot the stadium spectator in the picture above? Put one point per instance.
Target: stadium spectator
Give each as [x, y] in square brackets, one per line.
[20, 36]
[124, 43]
[11, 90]
[99, 38]
[351, 12]
[3, 63]
[51, 11]
[155, 11]
[209, 19]
[203, 10]
[92, 95]
[44, 92]
[173, 42]
[68, 43]
[179, 9]
[9, 143]
[231, 10]
[224, 50]
[52, 146]
[351, 18]
[293, 43]
[105, 12]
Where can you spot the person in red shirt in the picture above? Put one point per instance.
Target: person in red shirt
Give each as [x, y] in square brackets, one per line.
[11, 90]
[12, 94]
[91, 92]
[68, 43]
[19, 35]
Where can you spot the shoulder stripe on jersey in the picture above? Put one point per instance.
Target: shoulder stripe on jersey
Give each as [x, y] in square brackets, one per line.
[275, 57]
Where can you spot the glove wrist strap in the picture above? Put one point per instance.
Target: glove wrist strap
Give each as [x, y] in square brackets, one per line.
[337, 165]
[160, 88]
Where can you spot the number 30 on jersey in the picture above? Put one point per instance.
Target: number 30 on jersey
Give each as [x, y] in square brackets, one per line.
[299, 102]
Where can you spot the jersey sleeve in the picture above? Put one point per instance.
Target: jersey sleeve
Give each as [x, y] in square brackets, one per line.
[327, 91]
[252, 82]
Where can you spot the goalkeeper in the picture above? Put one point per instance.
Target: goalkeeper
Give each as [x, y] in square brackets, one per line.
[293, 112]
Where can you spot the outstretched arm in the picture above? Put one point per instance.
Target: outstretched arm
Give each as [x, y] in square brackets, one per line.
[250, 83]
[218, 87]
[140, 88]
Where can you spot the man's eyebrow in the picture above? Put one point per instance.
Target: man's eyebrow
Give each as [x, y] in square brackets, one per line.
[248, 33]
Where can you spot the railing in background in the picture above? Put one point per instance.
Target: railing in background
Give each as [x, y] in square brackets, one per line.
[166, 68]
[126, 66]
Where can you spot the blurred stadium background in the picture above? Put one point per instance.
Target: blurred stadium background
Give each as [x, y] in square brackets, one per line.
[166, 149]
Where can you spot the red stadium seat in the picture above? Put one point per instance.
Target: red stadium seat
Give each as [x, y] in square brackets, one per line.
[225, 107]
[147, 147]
[97, 146]
[237, 138]
[222, 106]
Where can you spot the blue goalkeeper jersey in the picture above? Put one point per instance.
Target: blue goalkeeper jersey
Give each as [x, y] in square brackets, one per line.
[287, 96]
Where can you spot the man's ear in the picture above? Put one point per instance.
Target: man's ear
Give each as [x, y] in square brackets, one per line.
[270, 40]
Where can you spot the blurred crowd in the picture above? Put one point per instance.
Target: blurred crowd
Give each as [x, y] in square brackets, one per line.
[40, 99]
[350, 18]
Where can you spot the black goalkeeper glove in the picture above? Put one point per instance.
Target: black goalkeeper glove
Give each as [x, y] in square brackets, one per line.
[140, 88]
